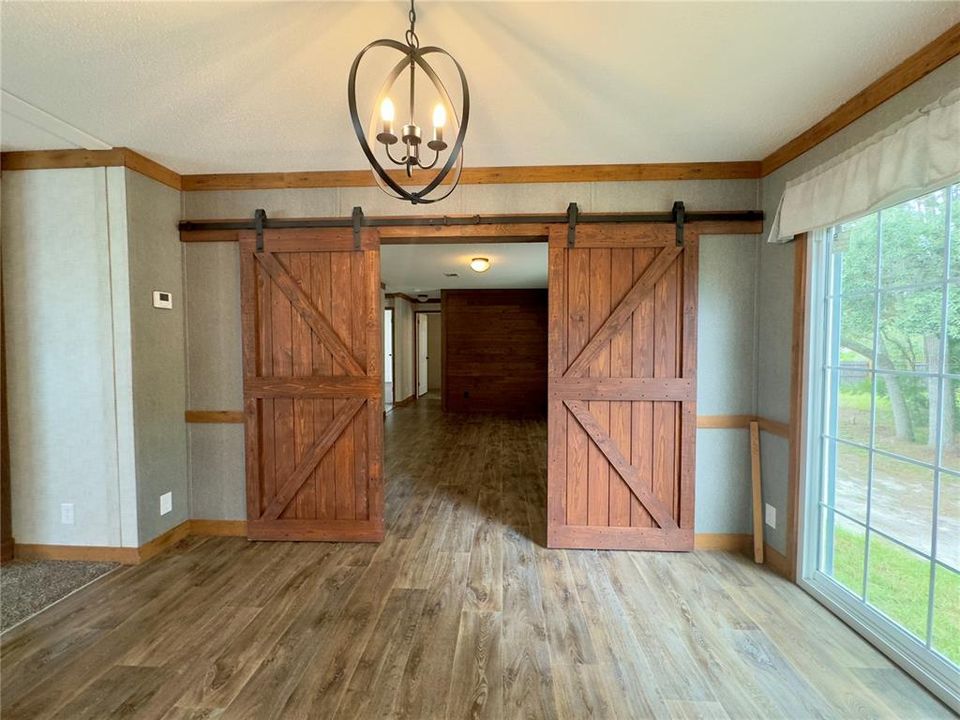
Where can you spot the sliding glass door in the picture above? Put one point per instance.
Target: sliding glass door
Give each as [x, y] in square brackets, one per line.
[882, 518]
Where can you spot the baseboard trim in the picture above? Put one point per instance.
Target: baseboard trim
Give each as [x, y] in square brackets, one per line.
[721, 542]
[106, 553]
[90, 553]
[777, 562]
[168, 539]
[219, 528]
[726, 542]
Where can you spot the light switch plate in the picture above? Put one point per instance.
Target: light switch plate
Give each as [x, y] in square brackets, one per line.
[162, 299]
[66, 513]
[166, 503]
[771, 516]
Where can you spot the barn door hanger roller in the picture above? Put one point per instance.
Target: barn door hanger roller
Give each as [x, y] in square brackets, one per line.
[379, 137]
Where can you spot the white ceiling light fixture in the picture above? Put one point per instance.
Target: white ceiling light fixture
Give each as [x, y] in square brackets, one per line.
[480, 264]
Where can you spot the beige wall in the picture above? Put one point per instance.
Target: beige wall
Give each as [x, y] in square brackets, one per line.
[157, 345]
[96, 375]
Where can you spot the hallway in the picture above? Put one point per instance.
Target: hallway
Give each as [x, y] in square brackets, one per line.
[462, 587]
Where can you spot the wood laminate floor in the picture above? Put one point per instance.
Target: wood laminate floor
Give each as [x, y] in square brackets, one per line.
[460, 613]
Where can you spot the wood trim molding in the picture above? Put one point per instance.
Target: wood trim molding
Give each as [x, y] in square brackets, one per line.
[160, 543]
[219, 528]
[774, 427]
[727, 542]
[64, 159]
[91, 553]
[797, 392]
[214, 416]
[777, 562]
[740, 170]
[704, 422]
[925, 60]
[132, 555]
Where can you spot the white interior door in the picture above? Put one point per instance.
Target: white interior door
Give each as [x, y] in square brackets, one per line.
[422, 349]
[388, 354]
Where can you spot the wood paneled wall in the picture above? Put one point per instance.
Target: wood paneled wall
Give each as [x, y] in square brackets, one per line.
[495, 351]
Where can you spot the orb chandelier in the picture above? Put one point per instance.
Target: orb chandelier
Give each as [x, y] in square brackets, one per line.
[383, 142]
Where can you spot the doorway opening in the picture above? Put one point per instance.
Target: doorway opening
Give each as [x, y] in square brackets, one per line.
[429, 352]
[388, 367]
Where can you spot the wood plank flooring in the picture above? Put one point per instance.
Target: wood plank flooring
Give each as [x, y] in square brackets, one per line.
[460, 613]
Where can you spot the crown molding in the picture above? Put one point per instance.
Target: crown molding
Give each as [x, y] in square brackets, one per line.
[921, 63]
[114, 157]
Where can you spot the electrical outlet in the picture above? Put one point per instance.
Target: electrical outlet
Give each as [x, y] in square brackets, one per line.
[66, 513]
[166, 503]
[771, 516]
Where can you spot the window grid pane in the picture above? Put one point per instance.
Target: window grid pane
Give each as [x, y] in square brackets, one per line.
[889, 498]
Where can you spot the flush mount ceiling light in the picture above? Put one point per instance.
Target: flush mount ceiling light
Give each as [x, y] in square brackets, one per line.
[380, 132]
[479, 264]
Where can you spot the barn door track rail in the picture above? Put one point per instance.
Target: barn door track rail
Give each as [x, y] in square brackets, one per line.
[678, 217]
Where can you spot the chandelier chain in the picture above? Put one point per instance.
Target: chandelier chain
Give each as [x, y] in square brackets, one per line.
[411, 34]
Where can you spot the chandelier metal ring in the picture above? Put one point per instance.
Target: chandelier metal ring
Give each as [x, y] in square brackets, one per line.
[413, 59]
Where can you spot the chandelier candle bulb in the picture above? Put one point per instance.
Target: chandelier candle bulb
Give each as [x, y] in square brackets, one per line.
[439, 120]
[386, 135]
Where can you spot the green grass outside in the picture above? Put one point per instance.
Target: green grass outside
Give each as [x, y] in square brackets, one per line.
[898, 585]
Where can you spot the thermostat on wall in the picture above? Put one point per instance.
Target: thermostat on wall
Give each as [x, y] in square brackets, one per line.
[162, 300]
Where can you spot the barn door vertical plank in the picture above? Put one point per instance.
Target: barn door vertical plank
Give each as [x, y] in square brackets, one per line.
[688, 438]
[621, 362]
[665, 358]
[578, 334]
[325, 474]
[642, 412]
[249, 305]
[598, 469]
[282, 340]
[342, 307]
[303, 408]
[375, 360]
[556, 365]
[358, 331]
[267, 425]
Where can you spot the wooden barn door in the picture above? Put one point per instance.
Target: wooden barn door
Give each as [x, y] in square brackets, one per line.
[622, 388]
[313, 386]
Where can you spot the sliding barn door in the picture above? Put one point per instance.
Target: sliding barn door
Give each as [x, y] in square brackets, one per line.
[313, 385]
[622, 388]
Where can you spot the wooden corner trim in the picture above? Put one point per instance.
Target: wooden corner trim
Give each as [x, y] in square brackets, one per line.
[66, 159]
[924, 61]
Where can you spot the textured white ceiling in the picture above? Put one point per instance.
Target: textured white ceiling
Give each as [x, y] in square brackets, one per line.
[233, 87]
[420, 268]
